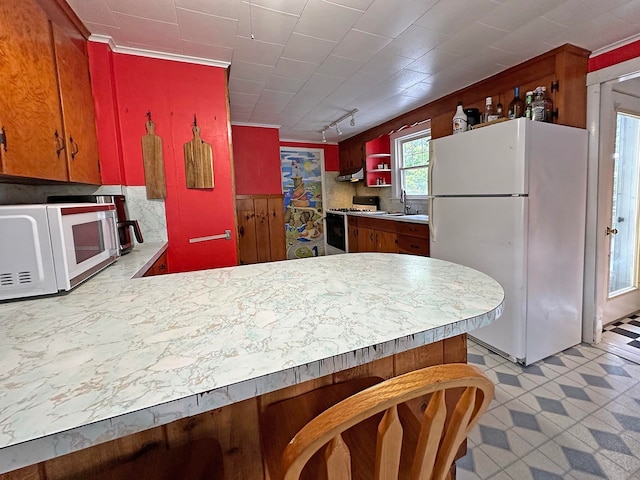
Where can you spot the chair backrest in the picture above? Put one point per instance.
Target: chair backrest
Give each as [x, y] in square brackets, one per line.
[438, 439]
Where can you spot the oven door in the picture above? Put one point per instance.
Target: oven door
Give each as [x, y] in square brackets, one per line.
[336, 233]
[84, 241]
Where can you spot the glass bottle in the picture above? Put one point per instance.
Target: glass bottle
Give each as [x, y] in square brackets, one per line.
[489, 112]
[499, 110]
[459, 120]
[528, 101]
[548, 106]
[537, 105]
[516, 106]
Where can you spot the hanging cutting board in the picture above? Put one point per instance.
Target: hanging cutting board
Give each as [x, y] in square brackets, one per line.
[198, 162]
[153, 164]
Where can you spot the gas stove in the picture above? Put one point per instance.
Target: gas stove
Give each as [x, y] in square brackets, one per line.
[360, 204]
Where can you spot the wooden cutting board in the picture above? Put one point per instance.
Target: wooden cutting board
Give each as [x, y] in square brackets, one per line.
[198, 162]
[153, 164]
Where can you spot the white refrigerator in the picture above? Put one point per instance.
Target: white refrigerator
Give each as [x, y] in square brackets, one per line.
[510, 200]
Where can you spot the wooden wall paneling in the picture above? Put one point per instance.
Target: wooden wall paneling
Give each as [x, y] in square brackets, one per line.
[77, 109]
[29, 105]
[246, 231]
[84, 463]
[277, 234]
[571, 100]
[263, 244]
[235, 427]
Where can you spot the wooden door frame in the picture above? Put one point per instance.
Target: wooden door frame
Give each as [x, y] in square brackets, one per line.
[592, 303]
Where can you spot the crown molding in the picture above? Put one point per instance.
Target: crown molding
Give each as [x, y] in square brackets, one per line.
[176, 57]
[260, 125]
[615, 45]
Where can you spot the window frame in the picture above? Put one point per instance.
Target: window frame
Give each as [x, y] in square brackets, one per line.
[415, 132]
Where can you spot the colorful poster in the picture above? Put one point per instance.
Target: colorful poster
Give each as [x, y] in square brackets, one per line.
[302, 188]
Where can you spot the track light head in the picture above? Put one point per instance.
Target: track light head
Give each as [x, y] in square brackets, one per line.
[324, 137]
[338, 131]
[353, 121]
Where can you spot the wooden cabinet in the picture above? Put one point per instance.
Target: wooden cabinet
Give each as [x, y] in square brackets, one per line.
[413, 238]
[562, 71]
[46, 97]
[351, 158]
[378, 162]
[369, 234]
[159, 267]
[261, 233]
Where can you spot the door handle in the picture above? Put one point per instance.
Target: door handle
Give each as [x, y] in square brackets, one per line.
[612, 231]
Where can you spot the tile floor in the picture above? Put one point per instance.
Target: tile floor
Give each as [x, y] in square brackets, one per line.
[623, 337]
[575, 415]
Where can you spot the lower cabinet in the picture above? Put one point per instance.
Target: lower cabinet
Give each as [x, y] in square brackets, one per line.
[368, 234]
[159, 267]
[261, 234]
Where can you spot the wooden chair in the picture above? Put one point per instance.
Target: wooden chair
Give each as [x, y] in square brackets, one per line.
[373, 434]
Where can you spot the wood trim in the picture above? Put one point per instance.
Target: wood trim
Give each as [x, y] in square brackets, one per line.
[262, 195]
[61, 13]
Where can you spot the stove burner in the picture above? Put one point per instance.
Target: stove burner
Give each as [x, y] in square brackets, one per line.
[351, 209]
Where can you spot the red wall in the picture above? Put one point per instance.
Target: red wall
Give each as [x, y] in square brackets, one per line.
[256, 160]
[173, 92]
[618, 55]
[330, 153]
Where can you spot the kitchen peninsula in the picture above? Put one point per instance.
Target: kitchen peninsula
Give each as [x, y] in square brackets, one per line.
[121, 355]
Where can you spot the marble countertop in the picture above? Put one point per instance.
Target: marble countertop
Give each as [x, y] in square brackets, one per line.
[119, 354]
[411, 218]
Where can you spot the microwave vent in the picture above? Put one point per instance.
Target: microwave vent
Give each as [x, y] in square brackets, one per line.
[21, 278]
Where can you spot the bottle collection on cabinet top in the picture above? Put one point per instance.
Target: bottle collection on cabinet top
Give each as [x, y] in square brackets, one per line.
[537, 106]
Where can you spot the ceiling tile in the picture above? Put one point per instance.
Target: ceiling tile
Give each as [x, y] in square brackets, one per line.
[201, 50]
[326, 20]
[467, 41]
[308, 49]
[419, 90]
[266, 117]
[256, 51]
[321, 84]
[284, 84]
[265, 24]
[629, 12]
[361, 46]
[275, 97]
[296, 69]
[243, 99]
[451, 16]
[339, 66]
[93, 12]
[575, 12]
[357, 4]
[406, 78]
[162, 10]
[251, 71]
[295, 7]
[390, 19]
[415, 42]
[220, 8]
[207, 29]
[353, 87]
[386, 64]
[511, 15]
[432, 62]
[616, 28]
[148, 32]
[527, 37]
[240, 85]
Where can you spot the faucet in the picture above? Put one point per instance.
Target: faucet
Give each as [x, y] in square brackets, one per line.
[403, 200]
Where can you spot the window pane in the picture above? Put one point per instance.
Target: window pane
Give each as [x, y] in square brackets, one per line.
[415, 181]
[415, 152]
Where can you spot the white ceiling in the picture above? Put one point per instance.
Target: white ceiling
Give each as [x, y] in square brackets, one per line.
[312, 61]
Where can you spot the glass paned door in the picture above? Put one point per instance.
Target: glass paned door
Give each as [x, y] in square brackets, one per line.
[623, 258]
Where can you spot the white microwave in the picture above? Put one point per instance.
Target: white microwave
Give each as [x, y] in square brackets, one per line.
[45, 249]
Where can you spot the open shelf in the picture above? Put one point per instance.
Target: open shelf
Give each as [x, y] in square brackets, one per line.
[378, 152]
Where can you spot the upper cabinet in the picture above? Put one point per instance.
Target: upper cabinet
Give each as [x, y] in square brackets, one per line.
[47, 120]
[351, 158]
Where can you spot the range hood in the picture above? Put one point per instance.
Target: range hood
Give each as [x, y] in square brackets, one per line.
[351, 177]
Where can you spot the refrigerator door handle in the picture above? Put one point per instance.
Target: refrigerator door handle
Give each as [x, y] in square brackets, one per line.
[432, 226]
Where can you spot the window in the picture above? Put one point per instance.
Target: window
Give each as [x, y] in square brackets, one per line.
[410, 150]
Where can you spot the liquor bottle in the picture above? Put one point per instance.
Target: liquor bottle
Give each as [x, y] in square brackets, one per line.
[459, 120]
[499, 110]
[537, 105]
[528, 102]
[489, 112]
[516, 106]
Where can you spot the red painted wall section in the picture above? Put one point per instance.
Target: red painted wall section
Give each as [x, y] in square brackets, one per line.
[256, 159]
[105, 100]
[174, 92]
[612, 57]
[330, 153]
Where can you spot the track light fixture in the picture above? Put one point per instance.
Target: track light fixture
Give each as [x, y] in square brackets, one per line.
[337, 127]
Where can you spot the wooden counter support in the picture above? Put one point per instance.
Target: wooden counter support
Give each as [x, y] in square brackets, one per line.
[236, 426]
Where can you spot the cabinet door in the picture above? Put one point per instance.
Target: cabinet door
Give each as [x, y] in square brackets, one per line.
[386, 242]
[77, 109]
[29, 106]
[277, 236]
[353, 235]
[366, 239]
[247, 247]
